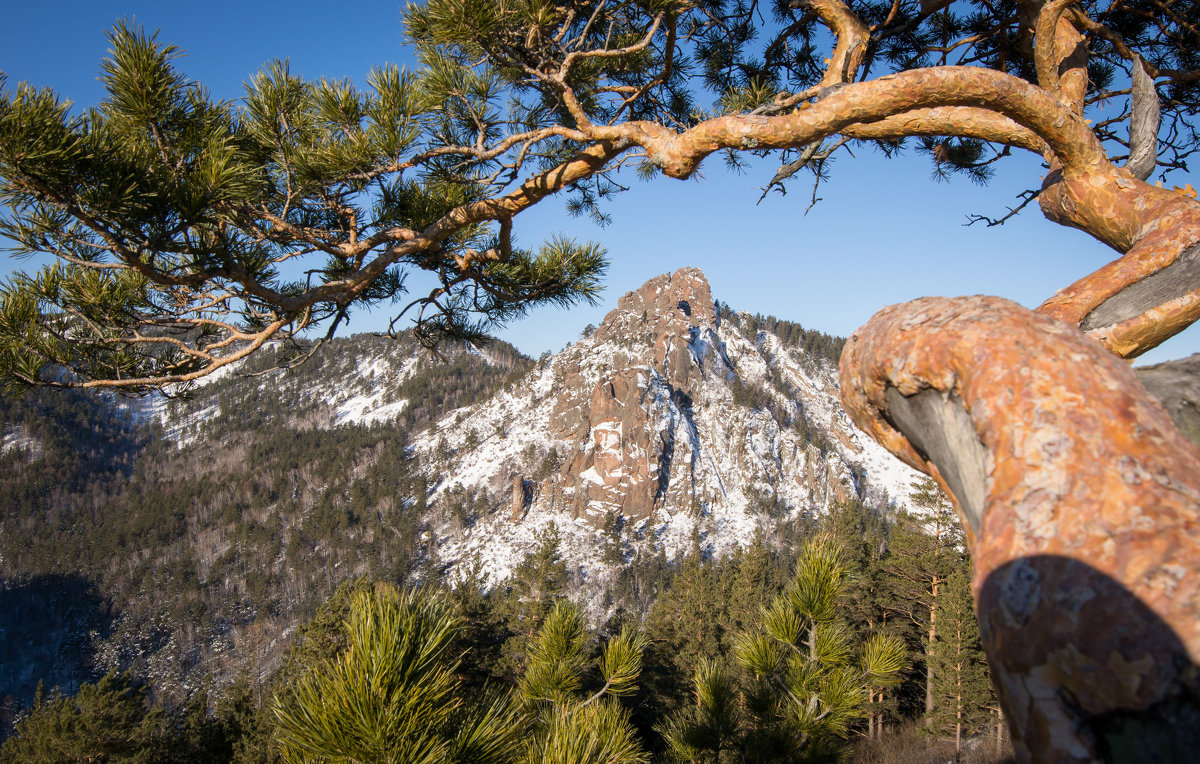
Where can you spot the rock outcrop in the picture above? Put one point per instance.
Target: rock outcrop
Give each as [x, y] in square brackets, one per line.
[625, 428]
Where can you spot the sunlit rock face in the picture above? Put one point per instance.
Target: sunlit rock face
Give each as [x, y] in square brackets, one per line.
[632, 431]
[646, 411]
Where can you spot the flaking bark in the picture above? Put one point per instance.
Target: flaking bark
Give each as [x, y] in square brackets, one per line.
[1092, 520]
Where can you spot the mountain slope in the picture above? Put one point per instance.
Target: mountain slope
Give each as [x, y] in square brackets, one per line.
[229, 515]
[193, 543]
[671, 419]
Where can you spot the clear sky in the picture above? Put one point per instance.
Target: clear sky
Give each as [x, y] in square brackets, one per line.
[884, 231]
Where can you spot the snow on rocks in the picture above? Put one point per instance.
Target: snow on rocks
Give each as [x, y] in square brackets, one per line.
[640, 421]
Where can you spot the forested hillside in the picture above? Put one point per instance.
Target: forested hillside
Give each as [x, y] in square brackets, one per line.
[900, 580]
[157, 545]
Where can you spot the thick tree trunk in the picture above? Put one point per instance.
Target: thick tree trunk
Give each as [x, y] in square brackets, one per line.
[1081, 505]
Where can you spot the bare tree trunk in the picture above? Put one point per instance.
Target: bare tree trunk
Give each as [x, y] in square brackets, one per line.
[871, 715]
[999, 739]
[932, 634]
[958, 709]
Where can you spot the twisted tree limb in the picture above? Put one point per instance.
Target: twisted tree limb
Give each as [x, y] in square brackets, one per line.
[1081, 503]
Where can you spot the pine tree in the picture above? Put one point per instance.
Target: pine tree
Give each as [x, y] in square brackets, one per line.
[392, 695]
[806, 675]
[922, 549]
[577, 725]
[964, 700]
[166, 213]
[536, 584]
[746, 579]
[481, 638]
[111, 720]
[862, 532]
[687, 615]
[863, 535]
[685, 626]
[713, 724]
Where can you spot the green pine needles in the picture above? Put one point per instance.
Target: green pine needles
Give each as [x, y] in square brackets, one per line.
[391, 696]
[802, 676]
[394, 695]
[185, 232]
[574, 726]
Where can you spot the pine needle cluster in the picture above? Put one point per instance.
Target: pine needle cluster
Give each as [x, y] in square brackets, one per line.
[393, 695]
[185, 232]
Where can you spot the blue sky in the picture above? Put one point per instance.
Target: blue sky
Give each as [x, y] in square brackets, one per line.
[884, 231]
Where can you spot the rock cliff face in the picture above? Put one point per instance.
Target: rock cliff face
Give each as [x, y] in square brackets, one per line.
[671, 418]
[632, 432]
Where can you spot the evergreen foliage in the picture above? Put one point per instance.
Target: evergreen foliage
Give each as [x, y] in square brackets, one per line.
[187, 234]
[815, 345]
[806, 676]
[924, 549]
[390, 696]
[111, 720]
[964, 699]
[777, 673]
[576, 725]
[172, 216]
[599, 732]
[167, 552]
[537, 583]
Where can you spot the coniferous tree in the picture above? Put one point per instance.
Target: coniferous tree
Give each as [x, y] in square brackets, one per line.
[965, 699]
[392, 695]
[537, 583]
[111, 720]
[746, 580]
[923, 547]
[806, 676]
[685, 626]
[685, 617]
[713, 724]
[862, 532]
[167, 213]
[483, 632]
[575, 724]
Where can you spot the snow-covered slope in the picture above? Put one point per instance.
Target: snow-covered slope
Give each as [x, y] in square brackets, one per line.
[356, 380]
[668, 420]
[672, 419]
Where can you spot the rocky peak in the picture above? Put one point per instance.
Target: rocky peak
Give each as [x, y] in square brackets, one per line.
[626, 454]
[672, 297]
[672, 315]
